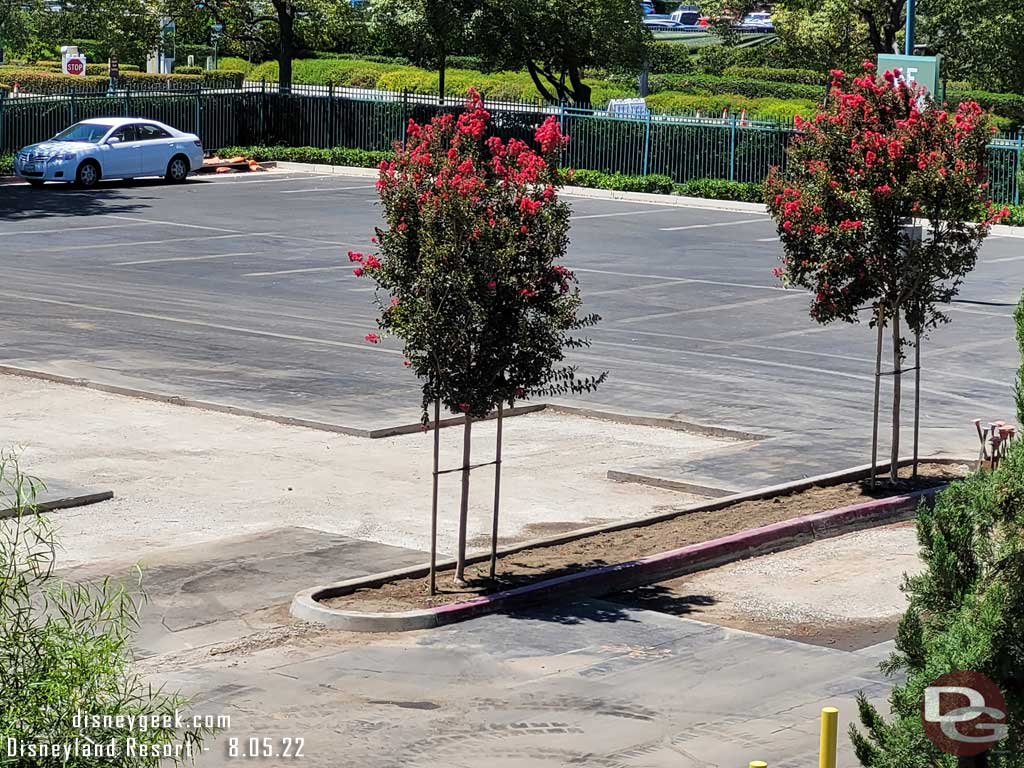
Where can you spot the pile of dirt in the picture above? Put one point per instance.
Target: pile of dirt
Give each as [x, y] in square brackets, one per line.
[541, 563]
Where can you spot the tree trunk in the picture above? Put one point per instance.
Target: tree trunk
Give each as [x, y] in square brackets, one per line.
[580, 90]
[286, 48]
[897, 380]
[460, 563]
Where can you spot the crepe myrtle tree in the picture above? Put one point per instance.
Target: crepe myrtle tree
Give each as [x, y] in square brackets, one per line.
[467, 270]
[882, 156]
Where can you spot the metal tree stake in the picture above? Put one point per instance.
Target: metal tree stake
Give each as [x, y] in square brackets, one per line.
[497, 494]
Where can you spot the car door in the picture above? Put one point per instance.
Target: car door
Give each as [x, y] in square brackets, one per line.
[156, 149]
[123, 157]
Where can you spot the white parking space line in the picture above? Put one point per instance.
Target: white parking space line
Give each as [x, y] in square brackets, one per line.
[297, 271]
[169, 223]
[204, 238]
[715, 224]
[183, 258]
[62, 230]
[712, 308]
[666, 209]
[647, 287]
[211, 256]
[322, 189]
[282, 180]
[676, 277]
[768, 239]
[1003, 260]
[203, 324]
[334, 243]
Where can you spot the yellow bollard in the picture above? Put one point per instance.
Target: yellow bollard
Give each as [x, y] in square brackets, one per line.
[827, 745]
[758, 764]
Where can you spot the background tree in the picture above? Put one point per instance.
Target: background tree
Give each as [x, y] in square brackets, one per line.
[881, 156]
[467, 271]
[823, 36]
[556, 41]
[427, 31]
[964, 614]
[17, 25]
[981, 41]
[284, 27]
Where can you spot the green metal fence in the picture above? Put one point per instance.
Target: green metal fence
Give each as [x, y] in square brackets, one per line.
[682, 147]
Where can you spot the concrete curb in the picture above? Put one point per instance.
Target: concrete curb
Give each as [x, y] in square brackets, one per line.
[306, 604]
[67, 502]
[612, 578]
[141, 394]
[651, 198]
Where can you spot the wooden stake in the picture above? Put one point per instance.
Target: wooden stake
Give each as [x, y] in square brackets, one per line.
[433, 509]
[917, 396]
[897, 381]
[878, 381]
[497, 495]
[460, 565]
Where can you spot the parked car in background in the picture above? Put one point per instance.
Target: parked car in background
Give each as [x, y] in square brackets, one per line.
[656, 22]
[760, 21]
[111, 148]
[690, 16]
[647, 7]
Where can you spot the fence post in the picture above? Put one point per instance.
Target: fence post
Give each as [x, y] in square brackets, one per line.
[3, 147]
[732, 149]
[405, 115]
[127, 101]
[198, 112]
[330, 115]
[647, 143]
[1019, 172]
[72, 102]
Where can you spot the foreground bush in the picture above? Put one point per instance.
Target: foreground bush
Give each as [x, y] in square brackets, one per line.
[964, 614]
[6, 165]
[66, 649]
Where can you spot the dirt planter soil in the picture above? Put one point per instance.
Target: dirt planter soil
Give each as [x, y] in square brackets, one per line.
[407, 602]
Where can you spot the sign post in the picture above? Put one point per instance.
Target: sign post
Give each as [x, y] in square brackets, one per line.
[114, 71]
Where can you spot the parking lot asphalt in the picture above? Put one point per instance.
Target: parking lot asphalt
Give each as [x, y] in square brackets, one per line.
[237, 291]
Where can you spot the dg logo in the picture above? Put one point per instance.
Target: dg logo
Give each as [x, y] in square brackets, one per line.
[964, 713]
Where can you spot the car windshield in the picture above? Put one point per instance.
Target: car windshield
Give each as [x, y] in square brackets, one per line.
[87, 132]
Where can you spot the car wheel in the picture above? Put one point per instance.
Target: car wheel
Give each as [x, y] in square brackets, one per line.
[177, 169]
[36, 182]
[88, 174]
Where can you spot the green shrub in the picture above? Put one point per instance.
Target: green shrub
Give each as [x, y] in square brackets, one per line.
[1016, 217]
[712, 84]
[721, 189]
[621, 182]
[67, 649]
[223, 78]
[233, 64]
[777, 75]
[713, 59]
[47, 82]
[6, 165]
[1007, 105]
[359, 158]
[188, 70]
[670, 57]
[779, 110]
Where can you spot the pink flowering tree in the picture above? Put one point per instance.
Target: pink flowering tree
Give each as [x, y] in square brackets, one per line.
[467, 270]
[883, 207]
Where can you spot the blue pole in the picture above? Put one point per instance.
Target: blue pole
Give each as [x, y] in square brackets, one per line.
[908, 47]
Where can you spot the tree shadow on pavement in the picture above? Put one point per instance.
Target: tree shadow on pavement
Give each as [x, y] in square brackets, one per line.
[21, 202]
[619, 606]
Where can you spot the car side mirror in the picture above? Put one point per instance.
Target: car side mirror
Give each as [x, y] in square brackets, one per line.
[114, 140]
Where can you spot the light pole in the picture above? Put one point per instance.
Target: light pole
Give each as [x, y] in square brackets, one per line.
[908, 43]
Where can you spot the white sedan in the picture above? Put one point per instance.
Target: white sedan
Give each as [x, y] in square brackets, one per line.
[111, 148]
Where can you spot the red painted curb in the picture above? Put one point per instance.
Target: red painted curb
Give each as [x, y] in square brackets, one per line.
[677, 562]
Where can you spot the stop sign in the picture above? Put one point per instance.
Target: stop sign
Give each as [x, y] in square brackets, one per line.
[75, 67]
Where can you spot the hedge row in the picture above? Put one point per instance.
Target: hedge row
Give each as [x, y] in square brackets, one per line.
[780, 110]
[360, 73]
[90, 69]
[622, 182]
[1007, 105]
[360, 158]
[713, 84]
[6, 165]
[44, 81]
[777, 75]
